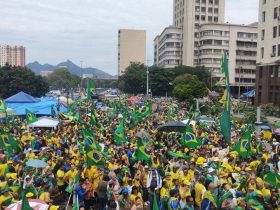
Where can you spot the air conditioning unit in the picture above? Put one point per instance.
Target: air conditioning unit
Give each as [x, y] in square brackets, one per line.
[272, 55]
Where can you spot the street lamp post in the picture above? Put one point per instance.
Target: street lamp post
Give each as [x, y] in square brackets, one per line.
[147, 88]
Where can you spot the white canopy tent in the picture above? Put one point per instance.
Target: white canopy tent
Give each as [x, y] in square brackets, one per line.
[44, 122]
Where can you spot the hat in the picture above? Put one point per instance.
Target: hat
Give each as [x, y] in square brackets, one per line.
[200, 161]
[167, 174]
[53, 207]
[125, 190]
[196, 173]
[153, 168]
[237, 168]
[210, 170]
[223, 174]
[205, 165]
[215, 159]
[9, 161]
[29, 194]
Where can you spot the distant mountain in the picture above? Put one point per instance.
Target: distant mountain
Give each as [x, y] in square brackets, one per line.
[36, 67]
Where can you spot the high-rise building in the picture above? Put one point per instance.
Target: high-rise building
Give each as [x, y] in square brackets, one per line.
[13, 55]
[189, 15]
[167, 47]
[268, 59]
[131, 48]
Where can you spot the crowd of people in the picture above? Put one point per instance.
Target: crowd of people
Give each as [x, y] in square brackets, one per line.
[211, 176]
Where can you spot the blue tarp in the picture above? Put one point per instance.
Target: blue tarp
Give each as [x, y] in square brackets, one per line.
[40, 108]
[250, 93]
[22, 97]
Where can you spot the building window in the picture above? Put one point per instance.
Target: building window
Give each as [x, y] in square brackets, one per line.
[262, 52]
[264, 1]
[279, 30]
[202, 18]
[275, 12]
[262, 35]
[273, 51]
[274, 31]
[197, 17]
[215, 19]
[210, 2]
[210, 9]
[216, 10]
[216, 2]
[263, 16]
[210, 19]
[203, 9]
[278, 49]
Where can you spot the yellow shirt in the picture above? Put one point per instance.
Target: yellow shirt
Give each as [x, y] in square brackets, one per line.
[30, 155]
[184, 192]
[60, 174]
[4, 198]
[3, 168]
[199, 191]
[69, 176]
[133, 197]
[45, 196]
[164, 192]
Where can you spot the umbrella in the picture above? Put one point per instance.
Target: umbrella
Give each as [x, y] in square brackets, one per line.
[265, 127]
[173, 126]
[36, 204]
[141, 134]
[36, 163]
[277, 125]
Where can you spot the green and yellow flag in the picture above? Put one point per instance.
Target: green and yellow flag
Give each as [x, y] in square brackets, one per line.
[25, 204]
[119, 134]
[30, 117]
[90, 140]
[3, 106]
[94, 157]
[140, 153]
[63, 116]
[90, 88]
[272, 178]
[155, 202]
[225, 118]
[244, 146]
[8, 142]
[189, 139]
[71, 186]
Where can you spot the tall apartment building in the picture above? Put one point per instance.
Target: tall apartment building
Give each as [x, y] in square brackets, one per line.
[131, 48]
[13, 55]
[268, 59]
[189, 15]
[168, 47]
[238, 41]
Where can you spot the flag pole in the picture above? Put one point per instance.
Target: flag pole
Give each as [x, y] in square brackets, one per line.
[68, 201]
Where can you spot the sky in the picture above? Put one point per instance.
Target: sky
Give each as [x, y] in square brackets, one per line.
[87, 30]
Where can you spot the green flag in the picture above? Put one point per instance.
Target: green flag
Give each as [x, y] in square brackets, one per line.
[71, 186]
[52, 111]
[189, 139]
[178, 154]
[8, 142]
[90, 88]
[30, 117]
[76, 203]
[3, 106]
[63, 116]
[170, 113]
[140, 153]
[25, 204]
[273, 179]
[89, 138]
[93, 157]
[244, 146]
[225, 118]
[155, 202]
[119, 134]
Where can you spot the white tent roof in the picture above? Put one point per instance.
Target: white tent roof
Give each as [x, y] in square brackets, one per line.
[44, 122]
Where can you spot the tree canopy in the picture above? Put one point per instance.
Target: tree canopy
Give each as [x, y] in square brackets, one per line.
[14, 79]
[161, 80]
[62, 79]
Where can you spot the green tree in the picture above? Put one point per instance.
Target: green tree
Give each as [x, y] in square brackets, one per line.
[187, 87]
[14, 79]
[62, 79]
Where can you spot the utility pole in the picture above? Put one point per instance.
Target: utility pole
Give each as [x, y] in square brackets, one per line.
[147, 88]
[81, 86]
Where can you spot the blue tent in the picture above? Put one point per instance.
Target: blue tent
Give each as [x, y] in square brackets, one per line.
[43, 107]
[22, 97]
[250, 93]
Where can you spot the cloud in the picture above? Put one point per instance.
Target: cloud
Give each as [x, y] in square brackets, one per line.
[56, 30]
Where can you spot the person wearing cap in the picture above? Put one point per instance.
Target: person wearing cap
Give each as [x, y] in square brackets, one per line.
[210, 199]
[212, 176]
[173, 202]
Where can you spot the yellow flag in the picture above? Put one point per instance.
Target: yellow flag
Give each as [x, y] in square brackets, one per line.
[224, 97]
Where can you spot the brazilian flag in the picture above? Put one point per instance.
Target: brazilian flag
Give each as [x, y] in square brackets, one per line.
[244, 146]
[140, 153]
[178, 154]
[8, 142]
[90, 140]
[30, 116]
[93, 120]
[64, 116]
[225, 118]
[272, 178]
[94, 157]
[25, 204]
[3, 106]
[119, 134]
[189, 139]
[72, 184]
[90, 88]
